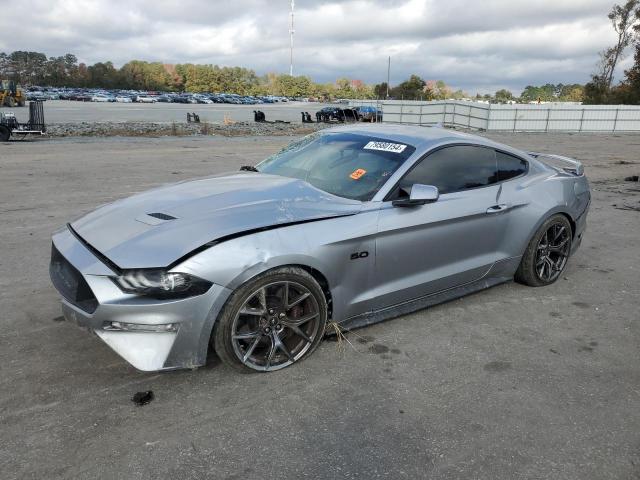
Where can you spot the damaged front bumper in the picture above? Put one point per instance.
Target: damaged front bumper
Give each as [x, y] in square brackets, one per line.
[150, 334]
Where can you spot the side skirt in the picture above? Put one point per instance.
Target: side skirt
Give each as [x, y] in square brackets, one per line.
[422, 302]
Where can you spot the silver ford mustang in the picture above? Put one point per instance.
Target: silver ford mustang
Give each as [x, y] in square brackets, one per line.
[351, 225]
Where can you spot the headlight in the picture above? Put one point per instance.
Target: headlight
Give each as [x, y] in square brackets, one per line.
[161, 284]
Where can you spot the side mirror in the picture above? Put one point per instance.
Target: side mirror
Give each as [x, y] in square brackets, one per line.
[420, 194]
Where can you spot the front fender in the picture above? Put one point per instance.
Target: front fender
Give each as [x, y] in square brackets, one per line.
[327, 247]
[233, 262]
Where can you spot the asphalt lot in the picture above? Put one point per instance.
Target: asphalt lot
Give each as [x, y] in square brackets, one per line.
[509, 383]
[66, 111]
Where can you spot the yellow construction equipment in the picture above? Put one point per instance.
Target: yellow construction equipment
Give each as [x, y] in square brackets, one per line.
[11, 95]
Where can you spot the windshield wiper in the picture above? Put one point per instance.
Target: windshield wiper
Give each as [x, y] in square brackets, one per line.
[249, 168]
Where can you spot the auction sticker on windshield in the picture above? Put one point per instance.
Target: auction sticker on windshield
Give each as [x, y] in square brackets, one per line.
[356, 174]
[385, 147]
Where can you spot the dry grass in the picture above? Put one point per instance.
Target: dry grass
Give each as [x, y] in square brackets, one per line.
[205, 128]
[334, 328]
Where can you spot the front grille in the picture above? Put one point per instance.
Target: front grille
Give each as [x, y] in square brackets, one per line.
[70, 282]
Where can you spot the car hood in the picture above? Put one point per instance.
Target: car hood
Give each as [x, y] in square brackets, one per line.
[190, 214]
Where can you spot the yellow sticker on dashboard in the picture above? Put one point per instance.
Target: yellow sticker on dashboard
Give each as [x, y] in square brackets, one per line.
[356, 174]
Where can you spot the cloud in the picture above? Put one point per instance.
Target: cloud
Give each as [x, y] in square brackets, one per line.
[478, 46]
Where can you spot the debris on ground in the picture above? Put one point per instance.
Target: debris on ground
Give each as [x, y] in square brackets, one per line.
[335, 333]
[176, 129]
[142, 398]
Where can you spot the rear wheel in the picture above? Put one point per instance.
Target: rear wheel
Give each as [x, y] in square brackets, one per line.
[547, 253]
[11, 102]
[272, 321]
[4, 134]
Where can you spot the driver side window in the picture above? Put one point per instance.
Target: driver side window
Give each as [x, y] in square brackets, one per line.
[452, 169]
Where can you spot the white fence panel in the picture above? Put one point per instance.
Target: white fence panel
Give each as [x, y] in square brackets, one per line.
[552, 117]
[628, 120]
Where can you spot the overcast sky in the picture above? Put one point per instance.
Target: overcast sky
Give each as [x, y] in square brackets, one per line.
[475, 45]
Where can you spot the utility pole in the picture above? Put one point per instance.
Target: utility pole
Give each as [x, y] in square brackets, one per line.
[388, 75]
[291, 32]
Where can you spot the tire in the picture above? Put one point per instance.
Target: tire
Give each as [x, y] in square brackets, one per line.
[11, 102]
[4, 134]
[257, 332]
[546, 256]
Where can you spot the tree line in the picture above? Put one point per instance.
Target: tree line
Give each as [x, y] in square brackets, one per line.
[625, 20]
[35, 68]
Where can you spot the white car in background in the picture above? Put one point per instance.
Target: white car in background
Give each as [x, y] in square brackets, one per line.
[145, 99]
[123, 99]
[202, 99]
[100, 97]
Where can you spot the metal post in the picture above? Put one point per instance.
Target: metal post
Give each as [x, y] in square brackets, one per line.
[615, 120]
[515, 119]
[388, 75]
[453, 119]
[488, 117]
[546, 127]
[401, 108]
[291, 32]
[469, 117]
[581, 119]
[421, 114]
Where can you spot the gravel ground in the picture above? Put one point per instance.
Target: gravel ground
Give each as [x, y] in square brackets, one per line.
[509, 383]
[149, 129]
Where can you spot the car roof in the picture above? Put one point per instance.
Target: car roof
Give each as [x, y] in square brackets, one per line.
[421, 137]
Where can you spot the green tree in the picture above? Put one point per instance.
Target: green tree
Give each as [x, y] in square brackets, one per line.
[412, 88]
[625, 21]
[27, 67]
[380, 90]
[503, 96]
[103, 75]
[628, 91]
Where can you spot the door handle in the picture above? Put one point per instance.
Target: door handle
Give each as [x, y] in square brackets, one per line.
[498, 208]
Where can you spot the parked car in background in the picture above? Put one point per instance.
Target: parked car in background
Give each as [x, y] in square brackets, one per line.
[145, 99]
[200, 98]
[326, 114]
[368, 113]
[101, 97]
[123, 99]
[37, 95]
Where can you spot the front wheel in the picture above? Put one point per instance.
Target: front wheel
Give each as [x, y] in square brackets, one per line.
[272, 321]
[547, 253]
[5, 133]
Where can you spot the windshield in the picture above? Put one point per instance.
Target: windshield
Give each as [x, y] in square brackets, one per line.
[343, 164]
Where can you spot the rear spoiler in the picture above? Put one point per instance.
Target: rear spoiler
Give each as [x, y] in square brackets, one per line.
[566, 164]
